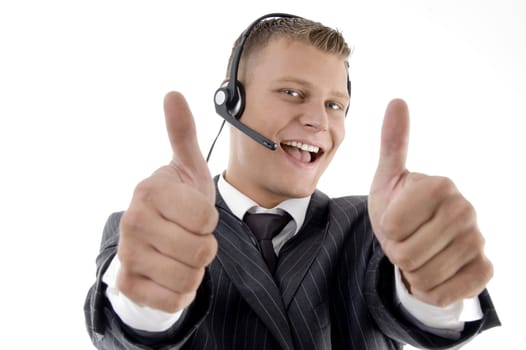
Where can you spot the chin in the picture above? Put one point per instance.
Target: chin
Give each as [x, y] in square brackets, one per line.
[299, 189]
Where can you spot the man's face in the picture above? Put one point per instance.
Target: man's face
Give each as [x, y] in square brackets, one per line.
[296, 95]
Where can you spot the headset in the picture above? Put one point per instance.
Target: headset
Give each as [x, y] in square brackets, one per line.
[229, 99]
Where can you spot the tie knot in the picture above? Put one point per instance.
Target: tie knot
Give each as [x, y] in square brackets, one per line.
[264, 225]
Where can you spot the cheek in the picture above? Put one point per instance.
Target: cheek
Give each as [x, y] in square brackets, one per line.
[264, 114]
[338, 134]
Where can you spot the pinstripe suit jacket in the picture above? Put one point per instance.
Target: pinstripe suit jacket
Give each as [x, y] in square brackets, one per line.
[333, 289]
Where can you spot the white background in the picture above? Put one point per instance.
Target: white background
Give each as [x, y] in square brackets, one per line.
[81, 122]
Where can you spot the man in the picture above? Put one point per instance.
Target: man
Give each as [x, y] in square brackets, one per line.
[183, 267]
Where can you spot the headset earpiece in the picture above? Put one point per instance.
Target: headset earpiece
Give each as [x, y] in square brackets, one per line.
[231, 103]
[349, 91]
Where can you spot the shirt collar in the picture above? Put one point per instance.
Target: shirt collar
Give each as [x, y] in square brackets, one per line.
[239, 203]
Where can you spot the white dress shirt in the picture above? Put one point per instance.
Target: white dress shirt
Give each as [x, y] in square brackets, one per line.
[445, 321]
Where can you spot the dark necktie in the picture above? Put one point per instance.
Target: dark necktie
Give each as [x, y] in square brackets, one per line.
[265, 227]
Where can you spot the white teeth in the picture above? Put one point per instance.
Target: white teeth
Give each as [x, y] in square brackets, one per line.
[302, 146]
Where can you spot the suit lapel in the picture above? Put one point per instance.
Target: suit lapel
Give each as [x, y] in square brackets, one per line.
[242, 261]
[298, 254]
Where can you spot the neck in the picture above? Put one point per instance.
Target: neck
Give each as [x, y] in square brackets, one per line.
[263, 197]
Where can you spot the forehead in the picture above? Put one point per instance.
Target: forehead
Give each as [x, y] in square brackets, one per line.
[285, 57]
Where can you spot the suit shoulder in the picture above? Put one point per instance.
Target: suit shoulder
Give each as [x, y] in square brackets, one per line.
[337, 206]
[347, 210]
[354, 203]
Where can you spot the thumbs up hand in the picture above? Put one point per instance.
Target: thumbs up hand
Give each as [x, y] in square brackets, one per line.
[166, 238]
[423, 223]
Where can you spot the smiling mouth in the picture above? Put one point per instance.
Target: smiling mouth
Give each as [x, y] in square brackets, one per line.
[303, 152]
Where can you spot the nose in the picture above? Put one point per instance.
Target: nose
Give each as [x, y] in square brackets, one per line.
[315, 117]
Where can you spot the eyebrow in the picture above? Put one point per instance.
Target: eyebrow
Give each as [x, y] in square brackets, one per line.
[290, 79]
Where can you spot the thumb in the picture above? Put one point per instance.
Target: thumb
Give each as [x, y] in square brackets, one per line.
[187, 159]
[394, 145]
[182, 133]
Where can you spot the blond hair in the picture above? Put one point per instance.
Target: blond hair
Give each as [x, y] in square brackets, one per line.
[312, 33]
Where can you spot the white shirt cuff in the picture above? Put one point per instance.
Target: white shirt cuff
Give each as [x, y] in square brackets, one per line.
[451, 317]
[142, 318]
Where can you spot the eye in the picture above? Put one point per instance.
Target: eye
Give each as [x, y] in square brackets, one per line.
[335, 106]
[291, 92]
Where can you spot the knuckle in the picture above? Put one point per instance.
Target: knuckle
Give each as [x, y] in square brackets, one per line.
[484, 272]
[438, 298]
[190, 280]
[400, 256]
[466, 244]
[390, 227]
[213, 219]
[417, 280]
[177, 302]
[477, 242]
[132, 220]
[172, 305]
[206, 217]
[389, 250]
[206, 252]
[407, 262]
[442, 300]
[144, 191]
[462, 211]
[127, 256]
[471, 243]
[128, 285]
[490, 270]
[443, 185]
[160, 301]
[200, 216]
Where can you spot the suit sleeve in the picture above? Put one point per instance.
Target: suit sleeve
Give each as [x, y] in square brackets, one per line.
[105, 328]
[388, 315]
